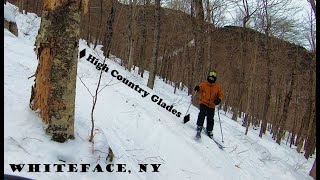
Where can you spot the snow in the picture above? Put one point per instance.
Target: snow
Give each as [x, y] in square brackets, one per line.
[10, 12]
[137, 129]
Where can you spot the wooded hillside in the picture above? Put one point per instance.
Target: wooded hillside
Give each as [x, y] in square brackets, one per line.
[243, 58]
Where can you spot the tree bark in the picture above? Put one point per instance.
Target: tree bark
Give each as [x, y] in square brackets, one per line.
[88, 27]
[294, 124]
[286, 108]
[313, 170]
[132, 28]
[109, 30]
[253, 69]
[57, 51]
[311, 141]
[269, 73]
[98, 37]
[209, 61]
[197, 18]
[303, 130]
[153, 68]
[144, 42]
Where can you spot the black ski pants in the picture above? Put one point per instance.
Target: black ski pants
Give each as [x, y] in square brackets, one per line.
[206, 111]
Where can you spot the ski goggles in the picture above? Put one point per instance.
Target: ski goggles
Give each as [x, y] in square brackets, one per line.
[213, 74]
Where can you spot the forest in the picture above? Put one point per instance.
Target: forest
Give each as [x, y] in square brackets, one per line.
[267, 74]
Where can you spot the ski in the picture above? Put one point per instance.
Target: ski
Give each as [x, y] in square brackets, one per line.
[198, 136]
[219, 145]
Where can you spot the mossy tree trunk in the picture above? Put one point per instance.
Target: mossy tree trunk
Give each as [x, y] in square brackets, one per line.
[55, 79]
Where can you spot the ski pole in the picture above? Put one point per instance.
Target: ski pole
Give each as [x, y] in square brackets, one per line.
[189, 104]
[192, 95]
[187, 117]
[220, 125]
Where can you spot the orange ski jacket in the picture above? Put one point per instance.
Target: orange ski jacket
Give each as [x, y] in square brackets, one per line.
[208, 92]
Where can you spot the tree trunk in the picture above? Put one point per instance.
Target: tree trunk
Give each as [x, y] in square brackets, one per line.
[200, 39]
[144, 42]
[153, 67]
[88, 27]
[303, 130]
[268, 90]
[278, 105]
[238, 101]
[197, 18]
[294, 125]
[253, 68]
[313, 170]
[269, 73]
[132, 33]
[311, 141]
[21, 5]
[27, 6]
[209, 64]
[300, 139]
[193, 63]
[109, 30]
[98, 37]
[57, 51]
[286, 108]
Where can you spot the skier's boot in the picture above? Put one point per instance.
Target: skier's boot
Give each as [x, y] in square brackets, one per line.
[199, 128]
[210, 134]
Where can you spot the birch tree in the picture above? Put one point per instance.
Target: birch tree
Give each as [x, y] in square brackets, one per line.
[53, 94]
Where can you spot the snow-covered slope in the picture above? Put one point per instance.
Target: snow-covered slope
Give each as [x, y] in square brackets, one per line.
[138, 130]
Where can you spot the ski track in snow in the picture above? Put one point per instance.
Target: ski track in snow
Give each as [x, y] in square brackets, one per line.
[137, 129]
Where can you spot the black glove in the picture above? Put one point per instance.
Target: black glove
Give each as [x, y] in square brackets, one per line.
[197, 88]
[217, 101]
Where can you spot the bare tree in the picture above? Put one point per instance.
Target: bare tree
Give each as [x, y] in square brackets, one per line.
[313, 171]
[310, 143]
[218, 11]
[309, 30]
[266, 26]
[109, 29]
[286, 107]
[208, 19]
[131, 30]
[270, 14]
[144, 41]
[182, 5]
[57, 51]
[88, 38]
[197, 15]
[250, 90]
[246, 14]
[100, 25]
[155, 52]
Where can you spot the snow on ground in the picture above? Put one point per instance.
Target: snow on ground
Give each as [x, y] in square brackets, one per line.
[137, 129]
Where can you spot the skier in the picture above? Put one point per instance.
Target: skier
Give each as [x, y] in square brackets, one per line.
[211, 95]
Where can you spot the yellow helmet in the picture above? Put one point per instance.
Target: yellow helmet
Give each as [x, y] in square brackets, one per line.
[213, 73]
